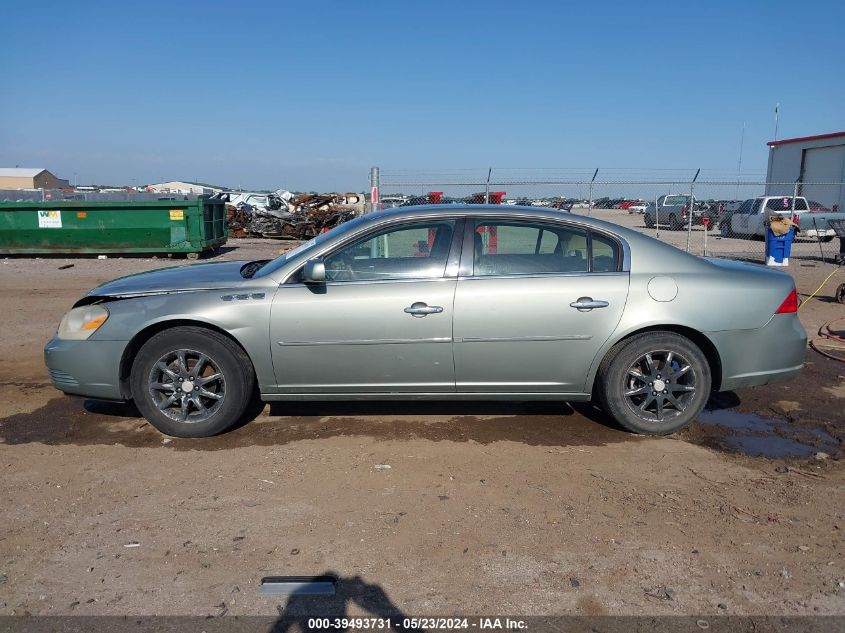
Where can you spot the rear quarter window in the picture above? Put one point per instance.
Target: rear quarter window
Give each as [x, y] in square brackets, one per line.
[605, 254]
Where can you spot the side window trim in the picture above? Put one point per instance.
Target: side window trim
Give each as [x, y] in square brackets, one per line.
[453, 257]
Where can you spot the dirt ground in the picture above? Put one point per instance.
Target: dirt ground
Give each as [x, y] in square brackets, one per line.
[468, 508]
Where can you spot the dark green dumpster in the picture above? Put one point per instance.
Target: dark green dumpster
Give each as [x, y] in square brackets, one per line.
[160, 226]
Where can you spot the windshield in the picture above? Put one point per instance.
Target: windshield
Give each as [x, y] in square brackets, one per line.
[273, 265]
[675, 200]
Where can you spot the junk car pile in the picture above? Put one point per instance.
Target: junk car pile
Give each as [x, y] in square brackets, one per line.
[283, 215]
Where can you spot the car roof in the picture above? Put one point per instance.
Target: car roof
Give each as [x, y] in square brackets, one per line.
[506, 211]
[475, 210]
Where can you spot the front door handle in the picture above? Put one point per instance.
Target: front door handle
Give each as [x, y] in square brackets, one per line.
[420, 309]
[585, 304]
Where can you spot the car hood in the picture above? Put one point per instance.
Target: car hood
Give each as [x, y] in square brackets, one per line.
[211, 276]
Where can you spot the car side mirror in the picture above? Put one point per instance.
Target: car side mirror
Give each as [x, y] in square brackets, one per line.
[314, 272]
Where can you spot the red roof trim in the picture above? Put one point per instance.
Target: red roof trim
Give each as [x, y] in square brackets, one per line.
[800, 139]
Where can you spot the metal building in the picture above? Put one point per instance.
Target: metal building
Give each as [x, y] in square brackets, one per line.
[817, 163]
[184, 187]
[29, 178]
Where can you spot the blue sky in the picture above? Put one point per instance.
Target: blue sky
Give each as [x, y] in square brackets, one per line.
[309, 95]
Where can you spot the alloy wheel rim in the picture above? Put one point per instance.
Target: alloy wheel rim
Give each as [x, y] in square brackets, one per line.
[659, 385]
[187, 386]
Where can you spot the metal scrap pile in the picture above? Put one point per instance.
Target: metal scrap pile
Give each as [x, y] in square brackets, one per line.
[300, 217]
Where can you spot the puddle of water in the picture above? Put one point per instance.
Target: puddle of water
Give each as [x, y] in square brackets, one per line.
[756, 436]
[769, 446]
[738, 421]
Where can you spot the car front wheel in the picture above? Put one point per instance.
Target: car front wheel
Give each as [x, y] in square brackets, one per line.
[191, 382]
[654, 383]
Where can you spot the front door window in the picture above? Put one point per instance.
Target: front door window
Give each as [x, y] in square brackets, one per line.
[417, 251]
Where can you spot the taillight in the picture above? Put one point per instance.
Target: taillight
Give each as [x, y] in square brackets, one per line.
[790, 304]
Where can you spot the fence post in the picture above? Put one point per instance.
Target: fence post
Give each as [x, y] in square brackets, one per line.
[656, 217]
[487, 187]
[590, 205]
[374, 185]
[691, 208]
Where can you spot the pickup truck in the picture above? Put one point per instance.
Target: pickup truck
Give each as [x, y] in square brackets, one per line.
[671, 211]
[813, 223]
[749, 219]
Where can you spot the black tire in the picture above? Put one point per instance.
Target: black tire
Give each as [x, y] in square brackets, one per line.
[827, 238]
[224, 398]
[616, 386]
[674, 225]
[649, 223]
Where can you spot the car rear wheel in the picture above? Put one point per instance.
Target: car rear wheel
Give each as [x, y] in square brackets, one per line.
[649, 221]
[674, 225]
[654, 383]
[192, 382]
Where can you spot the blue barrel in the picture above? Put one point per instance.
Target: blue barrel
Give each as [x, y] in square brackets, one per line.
[778, 247]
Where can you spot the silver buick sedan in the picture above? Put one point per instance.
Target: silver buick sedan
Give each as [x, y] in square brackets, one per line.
[436, 302]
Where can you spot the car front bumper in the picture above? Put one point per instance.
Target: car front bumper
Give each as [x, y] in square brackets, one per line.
[85, 368]
[772, 353]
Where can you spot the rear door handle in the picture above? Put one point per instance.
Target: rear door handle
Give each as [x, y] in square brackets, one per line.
[420, 309]
[585, 304]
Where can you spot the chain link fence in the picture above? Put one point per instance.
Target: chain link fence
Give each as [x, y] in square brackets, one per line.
[57, 195]
[725, 218]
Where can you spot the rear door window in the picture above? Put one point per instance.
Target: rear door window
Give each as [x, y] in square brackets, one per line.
[527, 248]
[785, 204]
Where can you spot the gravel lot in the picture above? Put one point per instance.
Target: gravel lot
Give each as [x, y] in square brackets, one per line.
[485, 507]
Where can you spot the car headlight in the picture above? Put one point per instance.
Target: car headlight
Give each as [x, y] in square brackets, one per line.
[80, 323]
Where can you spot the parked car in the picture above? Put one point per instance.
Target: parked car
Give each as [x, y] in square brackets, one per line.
[729, 206]
[261, 201]
[672, 212]
[725, 220]
[638, 206]
[436, 302]
[750, 219]
[711, 210]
